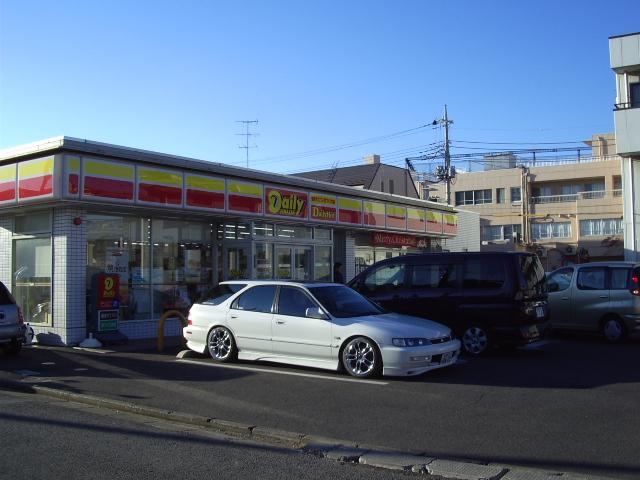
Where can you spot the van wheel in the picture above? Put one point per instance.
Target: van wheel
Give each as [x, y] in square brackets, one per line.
[475, 340]
[613, 329]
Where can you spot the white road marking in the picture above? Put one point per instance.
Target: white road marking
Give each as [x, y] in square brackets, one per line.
[94, 350]
[279, 372]
[48, 363]
[537, 345]
[27, 373]
[80, 369]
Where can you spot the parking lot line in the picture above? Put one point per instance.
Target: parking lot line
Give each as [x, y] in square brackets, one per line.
[279, 372]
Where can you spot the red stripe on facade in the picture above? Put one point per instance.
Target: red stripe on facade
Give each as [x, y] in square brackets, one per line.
[415, 224]
[238, 203]
[350, 216]
[396, 222]
[74, 183]
[7, 191]
[107, 188]
[453, 229]
[434, 227]
[374, 219]
[36, 186]
[200, 198]
[159, 194]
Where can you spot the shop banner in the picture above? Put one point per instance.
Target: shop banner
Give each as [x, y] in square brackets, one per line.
[286, 203]
[108, 180]
[396, 217]
[416, 219]
[350, 211]
[159, 186]
[205, 192]
[374, 214]
[244, 197]
[72, 174]
[324, 208]
[450, 224]
[434, 222]
[35, 178]
[381, 239]
[8, 183]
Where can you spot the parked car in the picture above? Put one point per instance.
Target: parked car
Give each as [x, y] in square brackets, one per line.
[322, 325]
[598, 297]
[486, 298]
[12, 328]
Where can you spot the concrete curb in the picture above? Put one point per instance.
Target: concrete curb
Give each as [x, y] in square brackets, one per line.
[333, 449]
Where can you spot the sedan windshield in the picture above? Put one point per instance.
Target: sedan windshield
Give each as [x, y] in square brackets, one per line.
[343, 302]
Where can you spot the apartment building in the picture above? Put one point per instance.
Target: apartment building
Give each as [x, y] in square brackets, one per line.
[625, 62]
[568, 210]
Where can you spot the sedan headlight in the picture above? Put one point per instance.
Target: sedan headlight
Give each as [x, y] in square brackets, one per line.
[410, 342]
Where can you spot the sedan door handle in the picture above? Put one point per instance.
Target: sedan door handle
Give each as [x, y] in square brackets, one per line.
[564, 298]
[233, 316]
[604, 296]
[280, 322]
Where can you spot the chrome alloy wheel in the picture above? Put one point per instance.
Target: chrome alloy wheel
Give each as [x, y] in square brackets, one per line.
[475, 340]
[360, 357]
[220, 344]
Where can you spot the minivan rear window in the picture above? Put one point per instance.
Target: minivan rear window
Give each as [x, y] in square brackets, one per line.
[533, 272]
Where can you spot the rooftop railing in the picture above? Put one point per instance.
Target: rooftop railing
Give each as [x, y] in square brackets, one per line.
[574, 197]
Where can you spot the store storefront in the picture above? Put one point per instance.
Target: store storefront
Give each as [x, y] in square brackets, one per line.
[164, 229]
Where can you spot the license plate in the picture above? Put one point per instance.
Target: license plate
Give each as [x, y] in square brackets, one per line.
[446, 357]
[539, 312]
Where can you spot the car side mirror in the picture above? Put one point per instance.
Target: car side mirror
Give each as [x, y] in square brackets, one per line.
[315, 312]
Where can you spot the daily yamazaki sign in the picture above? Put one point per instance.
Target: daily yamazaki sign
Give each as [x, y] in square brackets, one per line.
[109, 180]
[398, 240]
[286, 203]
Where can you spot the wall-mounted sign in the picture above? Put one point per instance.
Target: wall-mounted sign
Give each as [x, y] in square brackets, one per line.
[286, 203]
[350, 211]
[244, 197]
[35, 178]
[109, 180]
[381, 239]
[205, 192]
[105, 302]
[324, 207]
[396, 217]
[159, 186]
[8, 183]
[450, 224]
[373, 213]
[416, 219]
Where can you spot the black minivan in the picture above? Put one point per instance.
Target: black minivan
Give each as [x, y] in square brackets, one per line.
[486, 298]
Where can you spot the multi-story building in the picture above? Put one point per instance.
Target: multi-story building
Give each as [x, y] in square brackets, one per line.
[567, 210]
[625, 62]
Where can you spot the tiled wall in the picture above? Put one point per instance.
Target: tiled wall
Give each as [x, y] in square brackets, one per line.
[350, 252]
[6, 226]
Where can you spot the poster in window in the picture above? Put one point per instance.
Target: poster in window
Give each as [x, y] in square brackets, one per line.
[193, 266]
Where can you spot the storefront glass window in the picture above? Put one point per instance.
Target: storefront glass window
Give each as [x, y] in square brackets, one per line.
[261, 229]
[322, 270]
[263, 261]
[122, 245]
[32, 278]
[322, 234]
[237, 262]
[290, 231]
[182, 264]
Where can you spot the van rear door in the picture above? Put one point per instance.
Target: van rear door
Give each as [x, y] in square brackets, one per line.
[433, 291]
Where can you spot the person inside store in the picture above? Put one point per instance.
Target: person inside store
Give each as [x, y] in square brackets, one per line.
[338, 277]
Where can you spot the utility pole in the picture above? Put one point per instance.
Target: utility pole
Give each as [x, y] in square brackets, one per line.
[448, 173]
[247, 135]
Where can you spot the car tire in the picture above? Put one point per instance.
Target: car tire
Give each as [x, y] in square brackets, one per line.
[13, 347]
[612, 329]
[475, 340]
[361, 358]
[221, 345]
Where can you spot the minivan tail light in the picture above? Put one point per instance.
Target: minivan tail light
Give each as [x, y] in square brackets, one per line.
[635, 284]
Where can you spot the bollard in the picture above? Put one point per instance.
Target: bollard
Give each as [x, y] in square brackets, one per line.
[165, 315]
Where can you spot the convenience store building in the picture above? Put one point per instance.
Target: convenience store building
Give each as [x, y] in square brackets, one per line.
[168, 228]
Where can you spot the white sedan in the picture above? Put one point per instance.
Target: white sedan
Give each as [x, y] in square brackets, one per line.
[321, 325]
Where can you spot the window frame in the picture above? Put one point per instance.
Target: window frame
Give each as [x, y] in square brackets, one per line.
[234, 304]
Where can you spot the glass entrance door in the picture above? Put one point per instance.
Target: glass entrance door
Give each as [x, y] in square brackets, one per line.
[236, 261]
[294, 262]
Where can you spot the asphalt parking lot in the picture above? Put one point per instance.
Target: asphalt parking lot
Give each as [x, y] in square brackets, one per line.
[566, 403]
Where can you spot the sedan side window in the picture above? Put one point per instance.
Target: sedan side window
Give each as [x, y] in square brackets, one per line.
[560, 280]
[591, 278]
[293, 301]
[388, 277]
[256, 299]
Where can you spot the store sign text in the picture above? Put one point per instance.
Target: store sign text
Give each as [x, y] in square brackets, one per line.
[289, 204]
[398, 240]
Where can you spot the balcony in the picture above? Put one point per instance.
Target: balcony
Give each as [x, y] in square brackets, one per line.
[627, 128]
[594, 202]
[574, 197]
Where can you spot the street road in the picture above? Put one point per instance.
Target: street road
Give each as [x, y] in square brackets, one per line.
[48, 439]
[568, 404]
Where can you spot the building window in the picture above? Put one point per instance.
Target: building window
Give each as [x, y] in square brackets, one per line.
[542, 231]
[322, 263]
[634, 94]
[601, 227]
[500, 195]
[32, 277]
[516, 195]
[291, 231]
[391, 187]
[382, 185]
[500, 232]
[473, 197]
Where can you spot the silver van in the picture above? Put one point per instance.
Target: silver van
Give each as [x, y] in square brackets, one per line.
[12, 328]
[598, 297]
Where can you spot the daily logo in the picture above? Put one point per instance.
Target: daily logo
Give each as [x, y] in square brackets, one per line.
[284, 203]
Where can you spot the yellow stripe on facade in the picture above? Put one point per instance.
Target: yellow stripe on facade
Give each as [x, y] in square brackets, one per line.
[434, 216]
[373, 207]
[245, 188]
[159, 177]
[115, 170]
[205, 183]
[450, 219]
[416, 213]
[34, 168]
[8, 173]
[349, 204]
[73, 164]
[396, 211]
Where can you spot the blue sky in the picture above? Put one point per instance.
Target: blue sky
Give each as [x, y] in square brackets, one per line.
[175, 76]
